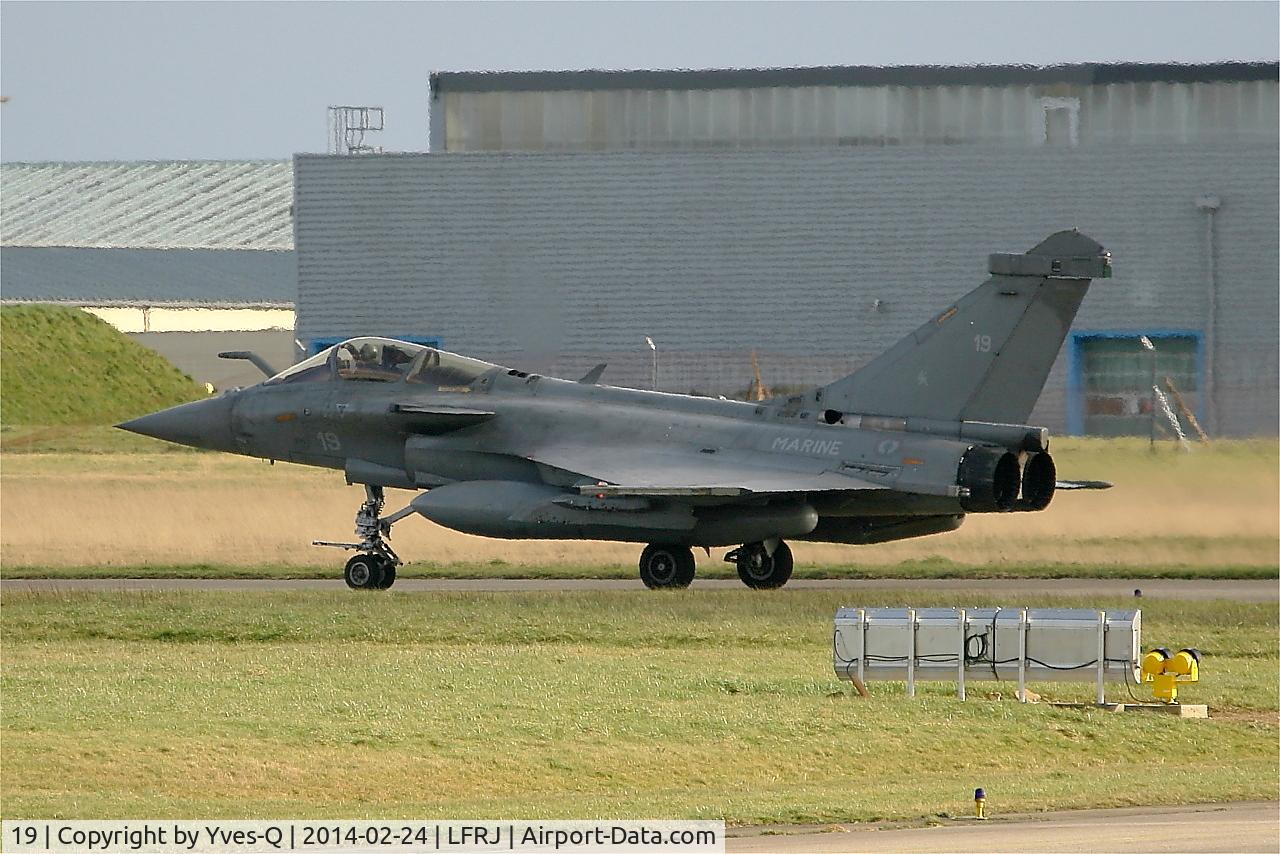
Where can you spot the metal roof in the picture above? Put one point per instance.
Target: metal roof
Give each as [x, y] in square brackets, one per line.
[852, 75]
[148, 205]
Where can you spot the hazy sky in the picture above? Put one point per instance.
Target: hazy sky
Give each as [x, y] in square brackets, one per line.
[107, 81]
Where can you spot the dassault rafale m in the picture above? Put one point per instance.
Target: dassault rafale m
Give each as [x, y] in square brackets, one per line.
[905, 446]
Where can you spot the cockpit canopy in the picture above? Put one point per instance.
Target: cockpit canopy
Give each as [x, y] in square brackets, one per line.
[386, 360]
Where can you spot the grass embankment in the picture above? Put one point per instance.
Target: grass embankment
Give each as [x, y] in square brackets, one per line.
[576, 705]
[63, 366]
[135, 507]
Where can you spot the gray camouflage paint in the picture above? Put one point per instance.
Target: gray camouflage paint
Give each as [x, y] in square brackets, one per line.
[877, 455]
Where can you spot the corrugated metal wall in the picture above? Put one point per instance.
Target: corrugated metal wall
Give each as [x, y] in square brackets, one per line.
[774, 116]
[555, 262]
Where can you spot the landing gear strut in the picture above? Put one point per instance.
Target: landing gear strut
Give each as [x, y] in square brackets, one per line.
[374, 568]
[666, 566]
[763, 566]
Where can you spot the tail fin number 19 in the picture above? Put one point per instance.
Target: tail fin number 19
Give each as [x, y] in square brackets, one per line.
[982, 343]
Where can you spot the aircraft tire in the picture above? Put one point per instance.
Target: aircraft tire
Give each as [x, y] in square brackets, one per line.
[666, 567]
[761, 571]
[688, 567]
[388, 575]
[364, 572]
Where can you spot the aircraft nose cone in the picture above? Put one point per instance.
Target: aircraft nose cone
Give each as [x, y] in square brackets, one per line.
[202, 424]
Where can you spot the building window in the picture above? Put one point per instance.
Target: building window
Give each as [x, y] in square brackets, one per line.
[1109, 386]
[1060, 125]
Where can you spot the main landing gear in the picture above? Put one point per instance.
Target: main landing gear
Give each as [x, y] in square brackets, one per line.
[374, 567]
[666, 566]
[764, 566]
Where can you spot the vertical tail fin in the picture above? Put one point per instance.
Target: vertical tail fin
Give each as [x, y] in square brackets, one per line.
[985, 358]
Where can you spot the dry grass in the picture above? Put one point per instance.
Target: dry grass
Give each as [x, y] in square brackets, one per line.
[1217, 506]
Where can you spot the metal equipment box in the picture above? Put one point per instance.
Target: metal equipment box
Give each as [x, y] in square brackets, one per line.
[957, 644]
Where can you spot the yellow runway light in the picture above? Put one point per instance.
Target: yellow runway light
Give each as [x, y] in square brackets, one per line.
[1165, 672]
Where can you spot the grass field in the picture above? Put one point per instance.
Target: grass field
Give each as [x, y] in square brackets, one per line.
[94, 501]
[63, 366]
[714, 704]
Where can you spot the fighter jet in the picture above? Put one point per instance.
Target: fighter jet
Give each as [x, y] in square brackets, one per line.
[906, 446]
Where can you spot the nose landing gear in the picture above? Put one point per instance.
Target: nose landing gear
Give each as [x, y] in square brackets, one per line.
[369, 572]
[374, 568]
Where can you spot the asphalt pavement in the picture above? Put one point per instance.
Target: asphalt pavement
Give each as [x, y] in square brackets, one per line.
[1152, 588]
[1240, 828]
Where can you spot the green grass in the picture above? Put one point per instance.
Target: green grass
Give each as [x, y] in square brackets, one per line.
[710, 704]
[906, 570]
[61, 366]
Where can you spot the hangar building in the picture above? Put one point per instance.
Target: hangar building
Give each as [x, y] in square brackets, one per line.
[814, 216]
[1073, 105]
[189, 258]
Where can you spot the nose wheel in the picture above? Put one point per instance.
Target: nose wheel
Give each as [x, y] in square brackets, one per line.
[369, 572]
[763, 566]
[374, 568]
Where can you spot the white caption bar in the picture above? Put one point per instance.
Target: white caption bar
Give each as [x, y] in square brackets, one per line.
[315, 837]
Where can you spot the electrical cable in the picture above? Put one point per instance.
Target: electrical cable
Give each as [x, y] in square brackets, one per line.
[835, 648]
[993, 645]
[980, 655]
[1127, 674]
